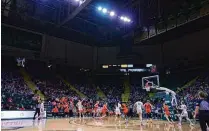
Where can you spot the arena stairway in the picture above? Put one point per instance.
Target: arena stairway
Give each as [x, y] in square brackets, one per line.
[72, 87]
[29, 83]
[100, 93]
[127, 90]
[188, 84]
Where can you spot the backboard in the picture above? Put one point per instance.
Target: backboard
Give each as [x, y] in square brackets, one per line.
[150, 82]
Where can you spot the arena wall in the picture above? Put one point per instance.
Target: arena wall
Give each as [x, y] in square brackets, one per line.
[108, 55]
[187, 48]
[149, 54]
[145, 54]
[74, 54]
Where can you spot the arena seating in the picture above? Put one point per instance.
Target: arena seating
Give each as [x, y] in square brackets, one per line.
[112, 86]
[126, 93]
[190, 94]
[15, 93]
[17, 96]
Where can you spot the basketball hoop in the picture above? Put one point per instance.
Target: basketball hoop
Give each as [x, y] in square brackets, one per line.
[150, 82]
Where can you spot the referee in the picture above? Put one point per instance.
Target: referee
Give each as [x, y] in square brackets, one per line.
[202, 108]
[38, 106]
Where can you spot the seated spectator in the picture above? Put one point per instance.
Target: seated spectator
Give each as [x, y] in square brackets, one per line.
[55, 111]
[15, 92]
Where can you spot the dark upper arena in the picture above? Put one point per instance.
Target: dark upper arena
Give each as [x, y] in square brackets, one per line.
[66, 50]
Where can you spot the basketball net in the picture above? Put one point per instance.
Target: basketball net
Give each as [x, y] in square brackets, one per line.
[147, 88]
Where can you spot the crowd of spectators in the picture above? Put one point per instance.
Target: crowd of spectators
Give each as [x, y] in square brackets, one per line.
[15, 95]
[190, 94]
[54, 89]
[137, 93]
[112, 87]
[87, 89]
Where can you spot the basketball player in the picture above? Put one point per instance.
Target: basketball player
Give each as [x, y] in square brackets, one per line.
[104, 110]
[184, 114]
[96, 106]
[139, 106]
[42, 110]
[173, 99]
[148, 109]
[167, 113]
[125, 110]
[80, 108]
[117, 110]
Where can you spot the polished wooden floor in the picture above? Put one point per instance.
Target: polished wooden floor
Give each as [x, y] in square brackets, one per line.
[90, 124]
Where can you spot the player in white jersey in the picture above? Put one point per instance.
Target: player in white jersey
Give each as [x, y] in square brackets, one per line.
[138, 106]
[184, 113]
[80, 108]
[173, 99]
[117, 110]
[42, 110]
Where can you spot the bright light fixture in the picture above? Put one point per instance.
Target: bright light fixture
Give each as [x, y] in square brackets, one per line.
[99, 8]
[125, 19]
[104, 10]
[122, 18]
[112, 13]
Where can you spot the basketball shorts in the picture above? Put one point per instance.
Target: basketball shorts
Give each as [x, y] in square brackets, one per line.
[117, 112]
[139, 111]
[148, 115]
[184, 114]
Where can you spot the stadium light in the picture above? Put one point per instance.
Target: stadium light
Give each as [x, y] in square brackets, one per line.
[125, 19]
[104, 10]
[99, 8]
[122, 18]
[112, 13]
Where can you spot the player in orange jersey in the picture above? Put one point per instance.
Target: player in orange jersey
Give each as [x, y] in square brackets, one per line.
[104, 110]
[125, 110]
[148, 109]
[66, 111]
[167, 113]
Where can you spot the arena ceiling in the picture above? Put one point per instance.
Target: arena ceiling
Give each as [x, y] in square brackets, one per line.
[83, 24]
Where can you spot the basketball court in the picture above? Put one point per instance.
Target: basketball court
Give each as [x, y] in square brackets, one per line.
[91, 124]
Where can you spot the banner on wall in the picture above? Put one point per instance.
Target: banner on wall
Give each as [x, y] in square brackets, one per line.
[19, 114]
[16, 124]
